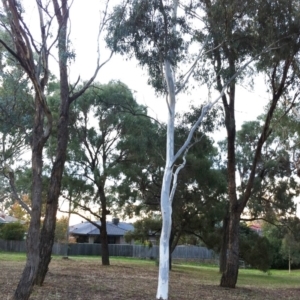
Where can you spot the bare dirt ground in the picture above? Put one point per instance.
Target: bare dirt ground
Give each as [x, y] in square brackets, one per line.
[75, 279]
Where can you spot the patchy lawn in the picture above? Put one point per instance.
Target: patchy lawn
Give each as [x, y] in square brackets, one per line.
[85, 279]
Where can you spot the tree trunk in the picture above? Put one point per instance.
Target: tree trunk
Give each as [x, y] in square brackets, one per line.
[166, 211]
[165, 202]
[172, 236]
[229, 277]
[103, 231]
[289, 261]
[104, 241]
[224, 245]
[28, 276]
[48, 230]
[46, 242]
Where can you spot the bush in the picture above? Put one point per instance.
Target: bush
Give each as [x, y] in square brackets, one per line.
[255, 250]
[12, 231]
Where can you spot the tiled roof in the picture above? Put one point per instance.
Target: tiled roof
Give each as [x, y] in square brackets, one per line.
[86, 228]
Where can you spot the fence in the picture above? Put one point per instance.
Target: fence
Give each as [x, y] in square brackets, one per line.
[180, 252]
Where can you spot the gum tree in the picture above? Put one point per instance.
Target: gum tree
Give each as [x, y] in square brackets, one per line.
[108, 125]
[32, 54]
[159, 36]
[239, 31]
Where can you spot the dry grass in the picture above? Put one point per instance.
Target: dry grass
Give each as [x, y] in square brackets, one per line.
[86, 279]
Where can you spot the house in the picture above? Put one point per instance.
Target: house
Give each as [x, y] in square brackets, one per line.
[256, 227]
[7, 219]
[86, 232]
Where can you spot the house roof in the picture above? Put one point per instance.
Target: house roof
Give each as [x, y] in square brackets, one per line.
[86, 228]
[7, 219]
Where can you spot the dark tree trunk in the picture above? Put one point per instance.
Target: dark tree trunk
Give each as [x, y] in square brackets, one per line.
[279, 83]
[103, 232]
[229, 276]
[224, 244]
[46, 244]
[27, 279]
[48, 229]
[104, 242]
[39, 245]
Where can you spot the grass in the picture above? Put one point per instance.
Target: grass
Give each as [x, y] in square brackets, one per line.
[8, 256]
[81, 278]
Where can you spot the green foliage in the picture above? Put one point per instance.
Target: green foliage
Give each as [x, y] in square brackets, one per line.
[12, 231]
[255, 250]
[143, 29]
[274, 235]
[285, 240]
[199, 202]
[61, 230]
[290, 248]
[274, 187]
[145, 229]
[109, 137]
[278, 23]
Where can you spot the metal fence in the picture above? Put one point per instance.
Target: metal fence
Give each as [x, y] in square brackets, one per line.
[180, 252]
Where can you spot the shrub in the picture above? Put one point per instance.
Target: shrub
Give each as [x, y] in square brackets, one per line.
[12, 231]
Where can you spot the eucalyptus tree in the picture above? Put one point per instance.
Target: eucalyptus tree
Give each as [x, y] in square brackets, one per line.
[32, 53]
[159, 36]
[110, 129]
[199, 202]
[275, 186]
[15, 128]
[239, 31]
[284, 238]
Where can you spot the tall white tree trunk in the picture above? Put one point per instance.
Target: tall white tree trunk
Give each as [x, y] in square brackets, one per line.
[165, 201]
[166, 211]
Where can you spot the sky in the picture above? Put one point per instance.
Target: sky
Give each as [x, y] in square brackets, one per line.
[84, 29]
[84, 24]
[84, 37]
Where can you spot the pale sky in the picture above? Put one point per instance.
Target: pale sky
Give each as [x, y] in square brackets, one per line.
[84, 35]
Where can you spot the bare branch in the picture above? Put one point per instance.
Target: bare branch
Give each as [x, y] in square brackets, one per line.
[98, 65]
[9, 174]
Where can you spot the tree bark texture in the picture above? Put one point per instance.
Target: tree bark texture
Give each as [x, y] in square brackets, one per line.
[104, 212]
[48, 229]
[103, 232]
[224, 243]
[25, 285]
[164, 251]
[229, 276]
[22, 52]
[104, 243]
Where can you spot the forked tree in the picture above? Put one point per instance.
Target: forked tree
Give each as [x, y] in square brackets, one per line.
[241, 30]
[32, 53]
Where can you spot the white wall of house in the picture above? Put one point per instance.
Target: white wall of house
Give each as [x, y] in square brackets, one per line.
[91, 239]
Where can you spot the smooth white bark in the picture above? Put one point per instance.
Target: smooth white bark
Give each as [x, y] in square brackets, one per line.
[165, 203]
